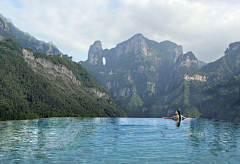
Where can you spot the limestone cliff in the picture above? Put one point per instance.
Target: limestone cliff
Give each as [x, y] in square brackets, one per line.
[232, 47]
[188, 60]
[136, 46]
[53, 71]
[138, 66]
[195, 77]
[152, 79]
[95, 53]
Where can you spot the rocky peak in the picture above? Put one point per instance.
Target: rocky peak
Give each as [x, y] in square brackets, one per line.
[188, 59]
[95, 53]
[137, 44]
[138, 37]
[97, 46]
[232, 47]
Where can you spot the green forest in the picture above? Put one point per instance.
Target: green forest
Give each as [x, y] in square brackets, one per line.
[218, 97]
[27, 95]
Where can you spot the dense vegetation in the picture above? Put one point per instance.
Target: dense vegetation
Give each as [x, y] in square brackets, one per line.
[78, 70]
[8, 30]
[26, 95]
[153, 84]
[222, 100]
[217, 98]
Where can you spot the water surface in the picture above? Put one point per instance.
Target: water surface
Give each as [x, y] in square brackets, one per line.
[119, 140]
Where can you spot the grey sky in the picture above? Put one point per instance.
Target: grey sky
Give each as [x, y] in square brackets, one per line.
[202, 26]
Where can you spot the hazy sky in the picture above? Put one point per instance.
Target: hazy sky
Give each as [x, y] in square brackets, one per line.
[205, 27]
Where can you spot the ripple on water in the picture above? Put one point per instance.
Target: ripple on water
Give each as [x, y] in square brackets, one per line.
[118, 140]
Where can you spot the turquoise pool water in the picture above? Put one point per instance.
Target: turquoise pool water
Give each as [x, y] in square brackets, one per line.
[119, 140]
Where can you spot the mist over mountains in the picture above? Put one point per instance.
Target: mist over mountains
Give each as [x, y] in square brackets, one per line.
[151, 79]
[144, 77]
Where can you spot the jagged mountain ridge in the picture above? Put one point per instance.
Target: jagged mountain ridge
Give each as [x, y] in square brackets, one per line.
[138, 69]
[151, 79]
[9, 30]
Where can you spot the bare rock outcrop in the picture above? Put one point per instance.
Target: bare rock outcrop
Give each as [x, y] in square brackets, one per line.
[97, 93]
[232, 47]
[95, 53]
[48, 66]
[195, 77]
[57, 71]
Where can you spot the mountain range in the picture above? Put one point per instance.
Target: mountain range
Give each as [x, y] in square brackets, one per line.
[152, 79]
[141, 78]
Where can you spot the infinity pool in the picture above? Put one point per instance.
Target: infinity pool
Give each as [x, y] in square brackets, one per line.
[119, 140]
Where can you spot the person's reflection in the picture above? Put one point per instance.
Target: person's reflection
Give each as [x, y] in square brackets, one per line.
[178, 123]
[178, 118]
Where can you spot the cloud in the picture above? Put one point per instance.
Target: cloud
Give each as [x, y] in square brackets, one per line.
[203, 27]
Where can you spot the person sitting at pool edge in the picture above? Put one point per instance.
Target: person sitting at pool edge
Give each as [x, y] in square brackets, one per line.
[178, 116]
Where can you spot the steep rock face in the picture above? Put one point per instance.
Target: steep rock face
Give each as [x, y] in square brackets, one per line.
[2, 27]
[95, 53]
[137, 66]
[136, 46]
[50, 68]
[97, 93]
[232, 47]
[57, 71]
[151, 79]
[195, 77]
[188, 60]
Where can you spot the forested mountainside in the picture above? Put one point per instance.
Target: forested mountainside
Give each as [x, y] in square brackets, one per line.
[151, 79]
[8, 30]
[35, 85]
[145, 78]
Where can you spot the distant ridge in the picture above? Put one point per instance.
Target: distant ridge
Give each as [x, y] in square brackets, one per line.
[9, 30]
[201, 63]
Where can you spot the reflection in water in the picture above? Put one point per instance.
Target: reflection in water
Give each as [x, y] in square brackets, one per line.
[218, 138]
[178, 122]
[118, 140]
